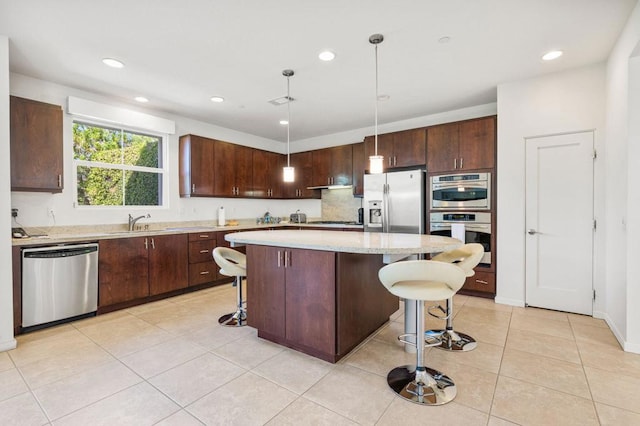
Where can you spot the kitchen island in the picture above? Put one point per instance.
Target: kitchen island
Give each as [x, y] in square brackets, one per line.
[318, 291]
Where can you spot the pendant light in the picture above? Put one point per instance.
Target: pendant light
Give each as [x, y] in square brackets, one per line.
[288, 172]
[376, 161]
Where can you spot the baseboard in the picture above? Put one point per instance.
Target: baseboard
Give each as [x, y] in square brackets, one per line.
[511, 302]
[8, 345]
[616, 332]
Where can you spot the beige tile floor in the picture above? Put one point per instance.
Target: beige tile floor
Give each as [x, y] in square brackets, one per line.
[170, 363]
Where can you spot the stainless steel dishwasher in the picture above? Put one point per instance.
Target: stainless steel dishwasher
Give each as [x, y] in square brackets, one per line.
[58, 282]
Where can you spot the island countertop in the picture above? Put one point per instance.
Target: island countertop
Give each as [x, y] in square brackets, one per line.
[347, 241]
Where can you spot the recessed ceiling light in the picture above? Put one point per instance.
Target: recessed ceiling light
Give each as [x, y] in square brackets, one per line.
[383, 97]
[445, 39]
[327, 55]
[217, 99]
[113, 63]
[141, 99]
[554, 54]
[284, 122]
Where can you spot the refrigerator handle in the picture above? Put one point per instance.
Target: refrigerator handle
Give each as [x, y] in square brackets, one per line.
[386, 219]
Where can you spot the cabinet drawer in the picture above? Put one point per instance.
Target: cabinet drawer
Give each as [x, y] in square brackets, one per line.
[201, 251]
[481, 281]
[201, 236]
[203, 272]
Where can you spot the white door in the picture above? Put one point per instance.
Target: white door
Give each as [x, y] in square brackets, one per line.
[559, 222]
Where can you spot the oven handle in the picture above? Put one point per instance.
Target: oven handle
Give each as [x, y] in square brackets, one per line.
[467, 226]
[482, 185]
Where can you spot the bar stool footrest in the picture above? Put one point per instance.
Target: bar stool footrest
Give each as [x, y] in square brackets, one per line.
[453, 341]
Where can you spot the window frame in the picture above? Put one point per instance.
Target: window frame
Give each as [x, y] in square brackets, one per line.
[162, 171]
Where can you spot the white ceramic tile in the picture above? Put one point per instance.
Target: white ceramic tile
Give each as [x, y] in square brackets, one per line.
[304, 412]
[293, 370]
[11, 384]
[162, 357]
[21, 410]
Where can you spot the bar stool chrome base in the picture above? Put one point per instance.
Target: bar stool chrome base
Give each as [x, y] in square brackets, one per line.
[235, 319]
[453, 341]
[431, 387]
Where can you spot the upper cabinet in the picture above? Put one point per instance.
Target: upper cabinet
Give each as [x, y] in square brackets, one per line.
[233, 168]
[196, 171]
[399, 149]
[465, 145]
[302, 162]
[267, 174]
[359, 165]
[333, 166]
[36, 146]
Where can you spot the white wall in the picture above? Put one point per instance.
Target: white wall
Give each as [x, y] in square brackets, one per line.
[6, 289]
[556, 103]
[623, 223]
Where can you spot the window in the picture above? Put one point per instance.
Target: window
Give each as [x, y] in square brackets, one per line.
[117, 167]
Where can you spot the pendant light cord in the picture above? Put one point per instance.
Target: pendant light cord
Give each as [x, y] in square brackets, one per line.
[376, 108]
[288, 121]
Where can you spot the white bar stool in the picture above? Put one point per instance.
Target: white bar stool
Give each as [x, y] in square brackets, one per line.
[232, 263]
[466, 257]
[421, 280]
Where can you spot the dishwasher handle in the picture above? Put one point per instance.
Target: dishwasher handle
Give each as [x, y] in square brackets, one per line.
[56, 252]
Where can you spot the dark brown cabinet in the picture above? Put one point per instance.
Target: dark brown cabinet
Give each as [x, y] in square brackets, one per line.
[267, 174]
[137, 267]
[399, 149]
[460, 146]
[36, 146]
[333, 166]
[359, 166]
[303, 164]
[202, 268]
[233, 168]
[196, 172]
[301, 281]
[483, 282]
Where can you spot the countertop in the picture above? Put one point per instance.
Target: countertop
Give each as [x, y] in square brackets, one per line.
[82, 234]
[347, 242]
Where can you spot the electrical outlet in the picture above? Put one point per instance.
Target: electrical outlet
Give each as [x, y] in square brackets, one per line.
[14, 212]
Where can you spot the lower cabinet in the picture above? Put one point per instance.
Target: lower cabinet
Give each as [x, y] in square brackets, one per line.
[202, 268]
[483, 283]
[318, 302]
[138, 267]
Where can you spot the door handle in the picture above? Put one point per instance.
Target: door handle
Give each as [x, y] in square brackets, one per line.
[532, 232]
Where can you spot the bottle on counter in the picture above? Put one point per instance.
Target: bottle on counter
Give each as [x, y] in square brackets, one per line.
[221, 218]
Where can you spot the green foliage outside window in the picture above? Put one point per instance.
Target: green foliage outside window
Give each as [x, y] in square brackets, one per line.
[99, 184]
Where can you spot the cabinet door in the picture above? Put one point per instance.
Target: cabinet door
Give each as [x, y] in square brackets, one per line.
[442, 148]
[243, 167]
[385, 148]
[266, 289]
[122, 270]
[342, 165]
[267, 174]
[196, 171]
[224, 168]
[321, 167]
[409, 148]
[303, 163]
[36, 146]
[311, 299]
[168, 263]
[477, 144]
[359, 165]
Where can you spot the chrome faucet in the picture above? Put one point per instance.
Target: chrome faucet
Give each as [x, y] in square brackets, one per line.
[132, 220]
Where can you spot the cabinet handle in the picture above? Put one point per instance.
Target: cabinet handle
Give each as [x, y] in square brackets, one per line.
[153, 244]
[461, 161]
[279, 257]
[204, 236]
[286, 259]
[482, 282]
[204, 273]
[193, 188]
[59, 181]
[455, 163]
[389, 161]
[395, 160]
[146, 244]
[204, 251]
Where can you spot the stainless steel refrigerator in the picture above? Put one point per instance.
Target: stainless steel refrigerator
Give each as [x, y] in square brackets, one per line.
[395, 202]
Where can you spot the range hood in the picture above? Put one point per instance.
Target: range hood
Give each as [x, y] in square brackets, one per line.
[330, 187]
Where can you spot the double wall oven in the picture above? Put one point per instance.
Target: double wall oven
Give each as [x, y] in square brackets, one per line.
[462, 202]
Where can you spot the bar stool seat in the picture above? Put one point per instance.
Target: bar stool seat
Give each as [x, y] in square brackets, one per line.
[422, 280]
[232, 263]
[466, 257]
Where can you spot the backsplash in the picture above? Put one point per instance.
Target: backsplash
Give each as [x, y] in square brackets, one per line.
[340, 204]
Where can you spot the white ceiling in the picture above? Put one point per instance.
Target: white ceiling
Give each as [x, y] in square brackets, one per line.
[180, 53]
